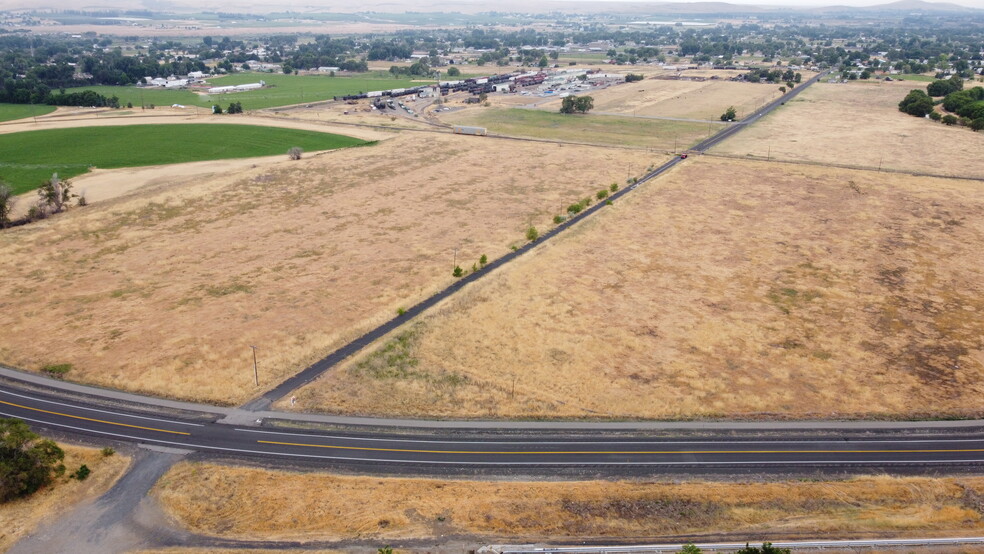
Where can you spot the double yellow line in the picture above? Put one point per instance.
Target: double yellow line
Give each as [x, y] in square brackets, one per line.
[94, 420]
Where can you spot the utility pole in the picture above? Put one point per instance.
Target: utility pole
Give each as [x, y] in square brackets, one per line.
[256, 375]
[769, 157]
[454, 262]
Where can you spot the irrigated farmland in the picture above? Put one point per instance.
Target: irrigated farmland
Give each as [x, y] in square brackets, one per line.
[164, 290]
[31, 157]
[726, 288]
[859, 125]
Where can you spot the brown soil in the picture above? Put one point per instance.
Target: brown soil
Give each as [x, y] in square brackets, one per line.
[165, 290]
[725, 288]
[261, 504]
[859, 124]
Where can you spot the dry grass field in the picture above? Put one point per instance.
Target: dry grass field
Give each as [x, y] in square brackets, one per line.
[725, 288]
[683, 98]
[251, 503]
[164, 290]
[859, 124]
[19, 518]
[655, 134]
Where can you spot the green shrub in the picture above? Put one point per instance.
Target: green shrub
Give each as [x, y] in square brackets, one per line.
[574, 208]
[458, 272]
[57, 370]
[483, 260]
[401, 310]
[614, 187]
[107, 452]
[82, 473]
[602, 194]
[558, 219]
[532, 234]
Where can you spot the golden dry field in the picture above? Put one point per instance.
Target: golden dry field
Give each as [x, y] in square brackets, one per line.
[258, 504]
[725, 288]
[163, 290]
[687, 99]
[859, 124]
[21, 517]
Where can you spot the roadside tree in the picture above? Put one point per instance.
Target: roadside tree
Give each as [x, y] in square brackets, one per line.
[27, 462]
[730, 114]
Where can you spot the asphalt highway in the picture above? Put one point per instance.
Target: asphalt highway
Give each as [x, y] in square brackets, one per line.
[477, 449]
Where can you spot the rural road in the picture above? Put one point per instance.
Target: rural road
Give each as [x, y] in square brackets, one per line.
[609, 448]
[726, 449]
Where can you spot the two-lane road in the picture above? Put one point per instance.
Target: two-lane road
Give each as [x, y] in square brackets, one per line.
[478, 449]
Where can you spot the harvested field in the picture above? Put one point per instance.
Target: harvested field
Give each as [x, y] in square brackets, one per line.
[594, 129]
[859, 124]
[723, 289]
[21, 517]
[247, 503]
[164, 290]
[682, 98]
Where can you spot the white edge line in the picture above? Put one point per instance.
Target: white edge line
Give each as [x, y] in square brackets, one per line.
[654, 442]
[487, 463]
[97, 410]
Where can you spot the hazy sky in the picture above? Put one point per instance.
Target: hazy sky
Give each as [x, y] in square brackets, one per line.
[816, 3]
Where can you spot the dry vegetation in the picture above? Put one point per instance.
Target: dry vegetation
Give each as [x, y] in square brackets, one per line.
[725, 288]
[164, 290]
[679, 98]
[21, 517]
[859, 124]
[274, 505]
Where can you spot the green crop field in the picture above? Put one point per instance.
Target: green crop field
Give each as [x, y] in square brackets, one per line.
[597, 129]
[31, 157]
[10, 112]
[281, 90]
[914, 77]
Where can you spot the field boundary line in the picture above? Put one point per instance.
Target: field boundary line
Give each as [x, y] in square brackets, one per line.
[773, 159]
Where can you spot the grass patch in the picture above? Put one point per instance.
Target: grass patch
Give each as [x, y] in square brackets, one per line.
[10, 112]
[603, 129]
[914, 77]
[281, 90]
[396, 360]
[57, 370]
[31, 157]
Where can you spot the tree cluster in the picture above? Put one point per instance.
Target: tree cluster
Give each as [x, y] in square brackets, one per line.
[576, 104]
[27, 462]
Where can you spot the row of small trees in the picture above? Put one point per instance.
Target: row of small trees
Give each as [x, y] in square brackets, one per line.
[533, 234]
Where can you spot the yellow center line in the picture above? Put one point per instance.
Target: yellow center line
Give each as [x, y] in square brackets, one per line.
[651, 452]
[91, 419]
